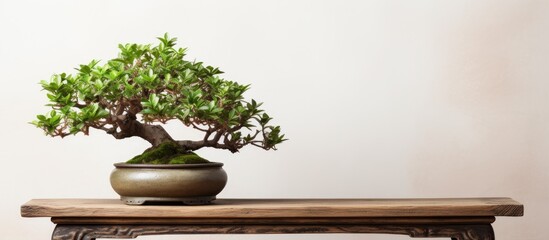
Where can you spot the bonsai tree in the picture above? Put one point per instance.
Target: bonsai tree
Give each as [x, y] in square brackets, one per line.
[146, 86]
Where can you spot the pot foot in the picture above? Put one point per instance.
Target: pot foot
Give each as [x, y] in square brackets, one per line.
[166, 201]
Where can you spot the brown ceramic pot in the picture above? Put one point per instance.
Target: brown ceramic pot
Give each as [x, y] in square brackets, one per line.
[192, 184]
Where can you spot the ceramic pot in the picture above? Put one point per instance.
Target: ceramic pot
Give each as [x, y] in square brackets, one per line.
[192, 184]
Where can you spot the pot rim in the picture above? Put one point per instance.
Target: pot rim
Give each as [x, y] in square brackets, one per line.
[168, 166]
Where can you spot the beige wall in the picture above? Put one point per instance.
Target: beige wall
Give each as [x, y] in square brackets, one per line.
[379, 98]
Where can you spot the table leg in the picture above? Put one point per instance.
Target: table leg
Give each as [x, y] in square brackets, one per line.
[91, 232]
[463, 232]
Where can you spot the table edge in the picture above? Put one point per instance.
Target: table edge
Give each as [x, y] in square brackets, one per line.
[512, 208]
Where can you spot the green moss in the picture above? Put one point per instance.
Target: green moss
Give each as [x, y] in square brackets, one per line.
[159, 152]
[166, 153]
[189, 158]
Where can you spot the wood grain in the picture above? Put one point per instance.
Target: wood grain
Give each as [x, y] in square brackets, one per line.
[299, 221]
[91, 232]
[279, 208]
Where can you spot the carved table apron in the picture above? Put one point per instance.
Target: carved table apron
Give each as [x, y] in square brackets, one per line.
[458, 218]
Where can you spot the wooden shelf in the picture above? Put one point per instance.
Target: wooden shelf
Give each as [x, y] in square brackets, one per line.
[279, 208]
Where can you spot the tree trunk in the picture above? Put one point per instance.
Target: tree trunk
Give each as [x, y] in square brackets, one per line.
[154, 134]
[129, 127]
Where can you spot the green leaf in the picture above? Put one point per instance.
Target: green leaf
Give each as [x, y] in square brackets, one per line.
[102, 113]
[184, 113]
[153, 100]
[148, 111]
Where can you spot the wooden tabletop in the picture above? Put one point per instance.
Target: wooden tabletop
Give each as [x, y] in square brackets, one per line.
[278, 208]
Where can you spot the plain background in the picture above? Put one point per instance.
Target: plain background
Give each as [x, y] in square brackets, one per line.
[380, 99]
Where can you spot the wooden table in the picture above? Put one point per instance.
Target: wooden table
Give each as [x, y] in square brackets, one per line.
[463, 218]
